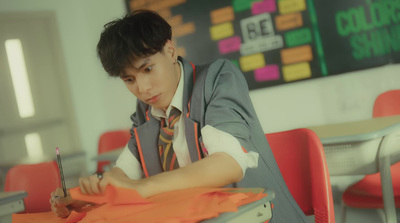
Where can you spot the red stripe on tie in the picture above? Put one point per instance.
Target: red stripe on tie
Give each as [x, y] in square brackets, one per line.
[167, 132]
[171, 166]
[160, 150]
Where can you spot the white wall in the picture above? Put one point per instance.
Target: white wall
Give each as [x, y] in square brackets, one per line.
[332, 99]
[101, 103]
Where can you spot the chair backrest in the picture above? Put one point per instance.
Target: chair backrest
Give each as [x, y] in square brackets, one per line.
[112, 140]
[301, 160]
[38, 180]
[387, 104]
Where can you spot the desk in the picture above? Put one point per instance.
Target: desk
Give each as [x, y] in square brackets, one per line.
[111, 156]
[12, 202]
[364, 147]
[258, 211]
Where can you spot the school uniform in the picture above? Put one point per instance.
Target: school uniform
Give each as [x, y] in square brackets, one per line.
[216, 111]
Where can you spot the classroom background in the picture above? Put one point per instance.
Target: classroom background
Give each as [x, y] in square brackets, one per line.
[80, 101]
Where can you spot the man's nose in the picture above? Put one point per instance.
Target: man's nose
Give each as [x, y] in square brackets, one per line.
[144, 85]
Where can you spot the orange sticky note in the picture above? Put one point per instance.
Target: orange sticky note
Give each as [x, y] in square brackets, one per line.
[296, 54]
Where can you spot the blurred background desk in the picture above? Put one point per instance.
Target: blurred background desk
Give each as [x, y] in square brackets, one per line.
[110, 156]
[10, 203]
[364, 147]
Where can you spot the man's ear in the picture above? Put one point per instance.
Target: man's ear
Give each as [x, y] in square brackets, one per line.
[170, 50]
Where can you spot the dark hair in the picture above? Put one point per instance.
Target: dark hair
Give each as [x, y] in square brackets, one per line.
[139, 34]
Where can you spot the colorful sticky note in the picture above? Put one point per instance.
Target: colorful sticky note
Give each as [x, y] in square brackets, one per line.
[263, 6]
[241, 5]
[183, 29]
[296, 72]
[288, 6]
[229, 45]
[221, 15]
[221, 31]
[267, 73]
[252, 62]
[296, 54]
[298, 37]
[289, 21]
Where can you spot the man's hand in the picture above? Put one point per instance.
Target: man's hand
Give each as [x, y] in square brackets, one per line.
[94, 184]
[62, 206]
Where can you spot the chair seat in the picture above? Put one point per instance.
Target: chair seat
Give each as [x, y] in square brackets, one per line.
[367, 193]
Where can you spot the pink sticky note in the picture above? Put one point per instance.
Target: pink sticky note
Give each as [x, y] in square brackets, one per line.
[263, 6]
[229, 45]
[267, 73]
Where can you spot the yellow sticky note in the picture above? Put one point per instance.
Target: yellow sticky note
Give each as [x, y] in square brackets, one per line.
[221, 31]
[287, 6]
[296, 72]
[252, 62]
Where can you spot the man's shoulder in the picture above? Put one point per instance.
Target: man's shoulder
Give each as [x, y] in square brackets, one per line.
[217, 63]
[216, 67]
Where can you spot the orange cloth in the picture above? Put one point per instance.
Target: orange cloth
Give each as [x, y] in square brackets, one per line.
[125, 205]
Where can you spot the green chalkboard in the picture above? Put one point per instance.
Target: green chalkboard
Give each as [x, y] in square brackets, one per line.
[277, 42]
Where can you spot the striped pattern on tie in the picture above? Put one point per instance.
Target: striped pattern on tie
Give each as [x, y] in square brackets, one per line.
[166, 151]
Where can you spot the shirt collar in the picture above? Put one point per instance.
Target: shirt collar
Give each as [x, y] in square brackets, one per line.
[176, 101]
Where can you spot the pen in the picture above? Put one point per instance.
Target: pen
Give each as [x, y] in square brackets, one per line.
[61, 172]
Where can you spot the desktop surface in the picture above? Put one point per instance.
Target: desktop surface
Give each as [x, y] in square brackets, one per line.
[12, 202]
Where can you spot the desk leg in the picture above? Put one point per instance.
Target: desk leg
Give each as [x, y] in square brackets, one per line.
[387, 190]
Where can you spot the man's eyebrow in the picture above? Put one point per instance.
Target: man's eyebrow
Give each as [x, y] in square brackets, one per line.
[145, 62]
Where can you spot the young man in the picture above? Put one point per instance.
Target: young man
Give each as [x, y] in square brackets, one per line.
[216, 140]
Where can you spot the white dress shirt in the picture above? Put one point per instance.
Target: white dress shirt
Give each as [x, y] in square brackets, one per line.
[214, 141]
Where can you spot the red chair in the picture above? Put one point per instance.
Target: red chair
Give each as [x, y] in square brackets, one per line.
[110, 141]
[387, 104]
[301, 160]
[367, 193]
[38, 180]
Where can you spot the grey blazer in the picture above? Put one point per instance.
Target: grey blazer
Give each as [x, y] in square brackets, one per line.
[217, 94]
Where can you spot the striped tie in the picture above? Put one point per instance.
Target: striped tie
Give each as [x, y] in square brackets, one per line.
[167, 154]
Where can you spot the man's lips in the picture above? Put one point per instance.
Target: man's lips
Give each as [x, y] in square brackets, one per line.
[153, 99]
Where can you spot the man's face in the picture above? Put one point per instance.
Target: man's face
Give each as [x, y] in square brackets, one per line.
[154, 79]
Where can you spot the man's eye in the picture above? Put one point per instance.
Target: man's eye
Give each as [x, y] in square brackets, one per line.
[148, 69]
[128, 79]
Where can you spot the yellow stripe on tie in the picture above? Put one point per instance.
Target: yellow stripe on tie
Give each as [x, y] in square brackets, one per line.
[165, 140]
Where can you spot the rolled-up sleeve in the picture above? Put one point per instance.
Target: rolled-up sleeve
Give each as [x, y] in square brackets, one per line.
[128, 163]
[215, 140]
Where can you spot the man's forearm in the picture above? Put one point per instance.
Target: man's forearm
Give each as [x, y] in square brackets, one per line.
[217, 170]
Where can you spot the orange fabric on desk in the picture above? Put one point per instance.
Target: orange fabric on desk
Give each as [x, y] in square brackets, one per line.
[126, 205]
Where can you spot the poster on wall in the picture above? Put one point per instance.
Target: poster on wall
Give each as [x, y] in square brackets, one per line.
[276, 42]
